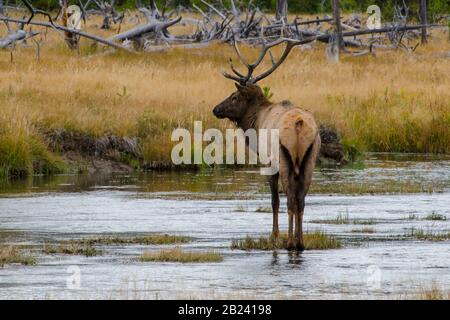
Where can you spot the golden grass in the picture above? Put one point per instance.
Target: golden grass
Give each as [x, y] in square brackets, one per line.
[178, 255]
[313, 241]
[10, 254]
[434, 293]
[154, 239]
[394, 102]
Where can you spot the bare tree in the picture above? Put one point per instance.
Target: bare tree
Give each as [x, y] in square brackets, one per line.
[423, 19]
[282, 10]
[337, 23]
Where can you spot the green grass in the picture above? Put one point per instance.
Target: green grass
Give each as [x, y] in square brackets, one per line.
[72, 249]
[428, 235]
[436, 217]
[11, 254]
[178, 255]
[340, 219]
[406, 129]
[363, 230]
[153, 239]
[22, 155]
[313, 241]
[345, 219]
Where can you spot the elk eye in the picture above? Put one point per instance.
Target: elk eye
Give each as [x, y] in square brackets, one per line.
[234, 99]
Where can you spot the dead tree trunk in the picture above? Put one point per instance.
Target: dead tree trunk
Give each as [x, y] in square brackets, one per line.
[282, 10]
[337, 23]
[423, 19]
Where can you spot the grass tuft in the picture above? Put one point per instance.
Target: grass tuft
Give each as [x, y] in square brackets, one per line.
[178, 255]
[436, 217]
[340, 219]
[313, 241]
[10, 254]
[72, 249]
[364, 230]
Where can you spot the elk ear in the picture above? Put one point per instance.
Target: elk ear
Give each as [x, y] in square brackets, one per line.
[240, 87]
[244, 90]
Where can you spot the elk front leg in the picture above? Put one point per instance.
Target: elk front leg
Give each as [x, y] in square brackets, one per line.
[273, 182]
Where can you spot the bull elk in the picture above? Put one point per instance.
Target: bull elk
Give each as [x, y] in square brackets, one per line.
[299, 140]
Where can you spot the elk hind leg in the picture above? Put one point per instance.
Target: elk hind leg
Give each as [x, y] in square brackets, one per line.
[273, 182]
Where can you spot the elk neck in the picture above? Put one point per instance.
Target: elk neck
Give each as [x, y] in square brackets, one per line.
[250, 118]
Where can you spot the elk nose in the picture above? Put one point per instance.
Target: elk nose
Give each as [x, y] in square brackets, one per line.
[216, 112]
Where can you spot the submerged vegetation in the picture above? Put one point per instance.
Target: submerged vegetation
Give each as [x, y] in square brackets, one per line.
[436, 217]
[72, 249]
[11, 254]
[178, 255]
[429, 235]
[313, 241]
[153, 239]
[345, 219]
[363, 230]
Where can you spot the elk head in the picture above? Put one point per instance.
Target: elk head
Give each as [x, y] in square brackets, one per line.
[249, 95]
[238, 103]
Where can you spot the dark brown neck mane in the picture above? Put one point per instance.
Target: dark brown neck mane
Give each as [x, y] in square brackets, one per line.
[248, 121]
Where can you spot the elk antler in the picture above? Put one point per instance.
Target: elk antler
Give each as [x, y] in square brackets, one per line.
[248, 78]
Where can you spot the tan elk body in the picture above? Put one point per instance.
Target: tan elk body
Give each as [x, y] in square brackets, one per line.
[299, 142]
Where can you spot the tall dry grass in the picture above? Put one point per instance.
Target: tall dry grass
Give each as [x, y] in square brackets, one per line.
[392, 102]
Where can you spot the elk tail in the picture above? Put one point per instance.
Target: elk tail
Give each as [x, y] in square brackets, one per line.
[296, 141]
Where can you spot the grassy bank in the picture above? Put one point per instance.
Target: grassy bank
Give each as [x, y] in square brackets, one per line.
[394, 102]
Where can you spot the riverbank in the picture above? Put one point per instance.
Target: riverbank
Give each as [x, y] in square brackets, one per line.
[394, 102]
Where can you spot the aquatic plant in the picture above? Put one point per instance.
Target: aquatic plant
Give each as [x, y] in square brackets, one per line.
[313, 241]
[72, 249]
[436, 217]
[11, 254]
[152, 239]
[178, 255]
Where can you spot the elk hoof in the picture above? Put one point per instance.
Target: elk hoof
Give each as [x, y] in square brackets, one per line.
[299, 247]
[290, 245]
[274, 235]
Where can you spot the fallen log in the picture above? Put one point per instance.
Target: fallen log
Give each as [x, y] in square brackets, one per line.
[61, 28]
[140, 30]
[20, 35]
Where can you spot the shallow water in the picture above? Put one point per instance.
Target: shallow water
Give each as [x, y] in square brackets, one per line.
[393, 192]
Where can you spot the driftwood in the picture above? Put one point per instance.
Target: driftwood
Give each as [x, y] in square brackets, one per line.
[19, 35]
[237, 24]
[65, 29]
[141, 30]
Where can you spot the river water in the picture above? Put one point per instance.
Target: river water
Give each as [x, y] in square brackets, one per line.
[392, 193]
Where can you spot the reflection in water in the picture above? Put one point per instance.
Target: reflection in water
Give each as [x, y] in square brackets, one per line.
[380, 173]
[217, 206]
